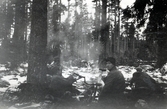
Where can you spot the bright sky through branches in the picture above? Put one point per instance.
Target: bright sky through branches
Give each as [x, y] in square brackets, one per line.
[123, 5]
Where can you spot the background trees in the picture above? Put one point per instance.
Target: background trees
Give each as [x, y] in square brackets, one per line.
[14, 37]
[36, 32]
[81, 35]
[154, 12]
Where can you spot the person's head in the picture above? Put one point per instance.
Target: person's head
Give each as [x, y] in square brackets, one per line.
[110, 63]
[139, 69]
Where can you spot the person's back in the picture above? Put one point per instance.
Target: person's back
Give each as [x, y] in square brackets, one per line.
[137, 81]
[143, 86]
[142, 80]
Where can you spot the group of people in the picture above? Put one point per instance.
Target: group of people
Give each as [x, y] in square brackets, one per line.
[114, 84]
[113, 91]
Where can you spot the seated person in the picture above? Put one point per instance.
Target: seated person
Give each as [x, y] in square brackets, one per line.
[142, 80]
[143, 85]
[112, 92]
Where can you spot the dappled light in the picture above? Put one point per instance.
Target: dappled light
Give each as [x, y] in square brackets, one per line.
[83, 54]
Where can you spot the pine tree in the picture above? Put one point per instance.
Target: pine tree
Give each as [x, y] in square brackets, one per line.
[38, 41]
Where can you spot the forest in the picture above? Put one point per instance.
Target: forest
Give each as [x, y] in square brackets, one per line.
[43, 38]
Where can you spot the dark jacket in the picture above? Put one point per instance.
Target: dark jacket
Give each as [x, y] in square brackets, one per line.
[114, 83]
[143, 80]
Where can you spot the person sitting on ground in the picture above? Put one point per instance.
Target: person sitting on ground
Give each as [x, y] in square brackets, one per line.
[142, 80]
[143, 85]
[112, 92]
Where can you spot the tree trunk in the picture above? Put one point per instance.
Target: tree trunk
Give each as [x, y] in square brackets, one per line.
[162, 51]
[9, 18]
[97, 21]
[18, 36]
[104, 31]
[38, 41]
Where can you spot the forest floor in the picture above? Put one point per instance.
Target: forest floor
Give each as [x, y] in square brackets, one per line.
[10, 79]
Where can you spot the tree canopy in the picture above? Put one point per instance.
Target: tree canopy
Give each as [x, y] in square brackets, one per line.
[153, 14]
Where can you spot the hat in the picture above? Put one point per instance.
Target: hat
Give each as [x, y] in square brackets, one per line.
[111, 59]
[139, 69]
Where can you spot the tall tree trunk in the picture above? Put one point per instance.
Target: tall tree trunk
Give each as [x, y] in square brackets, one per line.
[56, 30]
[19, 29]
[38, 41]
[16, 35]
[162, 50]
[118, 28]
[9, 18]
[97, 21]
[104, 31]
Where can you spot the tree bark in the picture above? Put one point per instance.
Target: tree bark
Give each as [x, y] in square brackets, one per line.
[162, 51]
[9, 19]
[38, 41]
[18, 43]
[104, 30]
